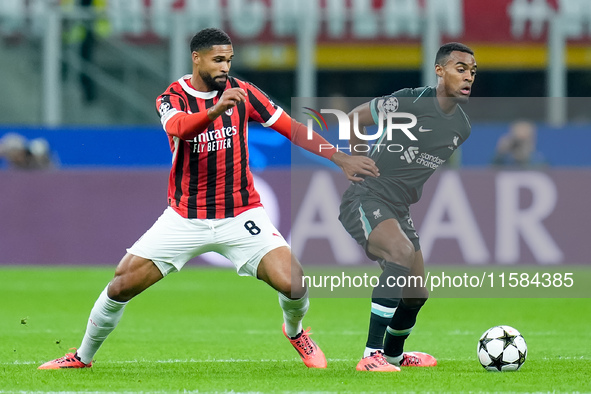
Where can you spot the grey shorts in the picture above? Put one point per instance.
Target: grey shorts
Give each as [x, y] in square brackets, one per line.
[361, 211]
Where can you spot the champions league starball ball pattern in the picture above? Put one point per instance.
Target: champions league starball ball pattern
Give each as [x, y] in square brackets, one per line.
[502, 348]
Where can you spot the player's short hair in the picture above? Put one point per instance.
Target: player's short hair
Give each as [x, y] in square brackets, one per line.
[446, 49]
[209, 37]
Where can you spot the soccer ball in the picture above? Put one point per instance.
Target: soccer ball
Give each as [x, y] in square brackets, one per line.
[502, 348]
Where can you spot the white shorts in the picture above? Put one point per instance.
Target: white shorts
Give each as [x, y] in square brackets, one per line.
[174, 240]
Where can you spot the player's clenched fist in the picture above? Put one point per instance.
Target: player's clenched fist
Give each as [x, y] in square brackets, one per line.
[230, 98]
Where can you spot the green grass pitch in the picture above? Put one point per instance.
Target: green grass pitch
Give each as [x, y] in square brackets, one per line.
[205, 330]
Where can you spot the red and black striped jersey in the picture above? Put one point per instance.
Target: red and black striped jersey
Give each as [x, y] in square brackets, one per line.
[210, 177]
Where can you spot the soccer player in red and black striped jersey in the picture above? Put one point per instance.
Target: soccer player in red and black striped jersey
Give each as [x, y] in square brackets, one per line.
[212, 202]
[210, 176]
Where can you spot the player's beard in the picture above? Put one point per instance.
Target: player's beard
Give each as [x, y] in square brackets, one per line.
[211, 83]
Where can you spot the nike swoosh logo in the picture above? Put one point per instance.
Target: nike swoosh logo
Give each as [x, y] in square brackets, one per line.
[422, 130]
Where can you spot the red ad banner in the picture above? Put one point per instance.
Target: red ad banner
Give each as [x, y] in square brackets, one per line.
[368, 34]
[482, 21]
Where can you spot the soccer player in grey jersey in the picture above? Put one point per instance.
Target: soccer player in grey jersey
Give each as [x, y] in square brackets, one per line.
[376, 211]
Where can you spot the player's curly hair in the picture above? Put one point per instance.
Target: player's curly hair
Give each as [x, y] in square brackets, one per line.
[446, 49]
[206, 38]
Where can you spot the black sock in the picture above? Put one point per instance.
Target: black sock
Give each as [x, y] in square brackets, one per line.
[385, 299]
[399, 328]
[382, 311]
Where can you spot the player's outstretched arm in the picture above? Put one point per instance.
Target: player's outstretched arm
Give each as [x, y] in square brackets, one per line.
[358, 164]
[353, 166]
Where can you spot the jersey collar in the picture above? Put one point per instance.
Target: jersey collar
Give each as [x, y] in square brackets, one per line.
[196, 93]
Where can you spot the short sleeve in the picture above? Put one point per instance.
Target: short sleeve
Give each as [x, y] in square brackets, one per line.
[169, 104]
[384, 105]
[261, 108]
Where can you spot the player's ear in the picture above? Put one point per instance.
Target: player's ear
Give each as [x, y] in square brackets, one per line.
[439, 70]
[195, 57]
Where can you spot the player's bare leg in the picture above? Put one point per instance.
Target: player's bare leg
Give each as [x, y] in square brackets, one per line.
[132, 276]
[282, 271]
[414, 297]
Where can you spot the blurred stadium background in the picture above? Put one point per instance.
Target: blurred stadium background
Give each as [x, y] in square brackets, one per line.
[83, 75]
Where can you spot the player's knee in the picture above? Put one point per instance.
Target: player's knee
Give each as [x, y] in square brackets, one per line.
[292, 287]
[116, 291]
[121, 287]
[399, 253]
[132, 276]
[285, 276]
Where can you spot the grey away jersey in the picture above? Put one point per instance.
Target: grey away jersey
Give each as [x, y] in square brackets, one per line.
[405, 165]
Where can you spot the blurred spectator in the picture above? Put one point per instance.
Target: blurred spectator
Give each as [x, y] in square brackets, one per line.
[518, 147]
[20, 153]
[87, 54]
